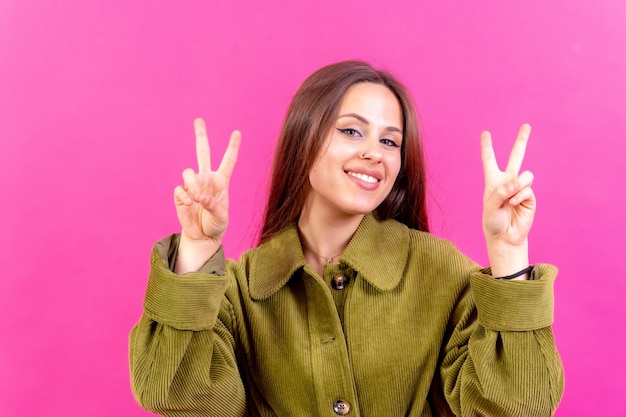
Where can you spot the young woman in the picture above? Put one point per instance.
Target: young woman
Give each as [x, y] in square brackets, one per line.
[348, 306]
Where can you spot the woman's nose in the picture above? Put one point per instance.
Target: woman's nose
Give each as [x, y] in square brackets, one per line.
[371, 150]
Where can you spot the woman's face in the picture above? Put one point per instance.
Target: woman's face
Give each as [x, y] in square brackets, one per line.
[361, 157]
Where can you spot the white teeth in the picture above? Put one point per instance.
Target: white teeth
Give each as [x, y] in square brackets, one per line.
[363, 177]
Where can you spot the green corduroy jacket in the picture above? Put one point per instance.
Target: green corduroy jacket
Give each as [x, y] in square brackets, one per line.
[418, 330]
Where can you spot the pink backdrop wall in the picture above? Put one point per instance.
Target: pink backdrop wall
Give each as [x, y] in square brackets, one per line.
[97, 100]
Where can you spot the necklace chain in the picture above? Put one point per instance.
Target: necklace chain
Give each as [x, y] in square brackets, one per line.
[329, 260]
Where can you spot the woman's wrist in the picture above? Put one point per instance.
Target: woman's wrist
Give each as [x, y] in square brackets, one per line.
[519, 275]
[194, 253]
[507, 260]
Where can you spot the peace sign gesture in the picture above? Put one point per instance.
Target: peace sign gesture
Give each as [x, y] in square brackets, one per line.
[202, 203]
[508, 205]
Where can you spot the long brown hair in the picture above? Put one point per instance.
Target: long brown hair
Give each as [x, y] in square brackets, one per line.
[310, 117]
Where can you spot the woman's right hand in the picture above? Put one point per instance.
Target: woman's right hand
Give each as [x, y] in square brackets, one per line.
[202, 202]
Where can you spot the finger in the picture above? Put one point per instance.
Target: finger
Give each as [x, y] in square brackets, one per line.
[181, 197]
[524, 196]
[488, 156]
[209, 202]
[230, 156]
[525, 179]
[519, 149]
[203, 152]
[191, 185]
[501, 194]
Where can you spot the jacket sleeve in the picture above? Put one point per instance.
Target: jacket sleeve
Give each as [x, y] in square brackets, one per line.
[500, 358]
[182, 350]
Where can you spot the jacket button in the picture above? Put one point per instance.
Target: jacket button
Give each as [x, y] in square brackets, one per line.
[339, 282]
[341, 407]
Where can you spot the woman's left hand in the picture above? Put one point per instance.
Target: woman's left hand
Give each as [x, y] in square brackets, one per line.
[508, 206]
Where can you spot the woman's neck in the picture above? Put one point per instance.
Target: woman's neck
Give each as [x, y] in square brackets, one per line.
[324, 237]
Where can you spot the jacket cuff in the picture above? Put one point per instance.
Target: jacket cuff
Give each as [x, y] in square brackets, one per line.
[186, 302]
[515, 305]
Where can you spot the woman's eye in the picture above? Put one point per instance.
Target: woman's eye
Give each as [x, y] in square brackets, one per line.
[349, 132]
[389, 142]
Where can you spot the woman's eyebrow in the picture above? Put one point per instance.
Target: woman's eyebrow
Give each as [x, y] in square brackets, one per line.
[364, 120]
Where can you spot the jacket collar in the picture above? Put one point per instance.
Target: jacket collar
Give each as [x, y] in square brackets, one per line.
[378, 252]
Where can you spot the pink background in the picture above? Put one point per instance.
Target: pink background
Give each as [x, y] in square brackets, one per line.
[97, 100]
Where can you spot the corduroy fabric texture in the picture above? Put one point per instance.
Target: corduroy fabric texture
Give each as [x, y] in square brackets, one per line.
[419, 330]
